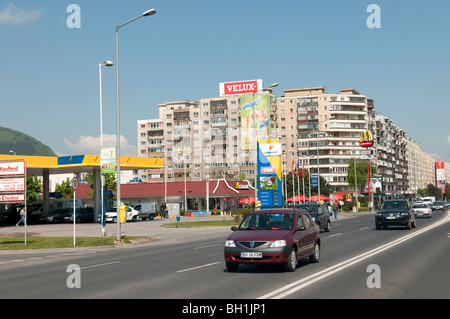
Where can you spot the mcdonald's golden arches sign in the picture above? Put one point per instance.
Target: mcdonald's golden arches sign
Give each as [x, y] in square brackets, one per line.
[365, 139]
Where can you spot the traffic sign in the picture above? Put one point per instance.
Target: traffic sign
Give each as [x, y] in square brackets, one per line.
[75, 183]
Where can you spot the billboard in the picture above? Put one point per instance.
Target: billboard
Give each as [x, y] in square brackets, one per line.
[269, 173]
[108, 160]
[255, 119]
[242, 87]
[12, 181]
[376, 185]
[440, 175]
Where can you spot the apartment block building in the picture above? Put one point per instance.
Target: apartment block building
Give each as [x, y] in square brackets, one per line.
[391, 149]
[325, 127]
[201, 139]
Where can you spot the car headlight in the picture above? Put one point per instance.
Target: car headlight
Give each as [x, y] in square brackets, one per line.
[404, 214]
[230, 243]
[278, 243]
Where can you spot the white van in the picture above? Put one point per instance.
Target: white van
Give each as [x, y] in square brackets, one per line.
[146, 210]
[111, 214]
[429, 200]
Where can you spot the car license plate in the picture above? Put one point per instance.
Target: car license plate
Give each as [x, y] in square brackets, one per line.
[251, 254]
[391, 217]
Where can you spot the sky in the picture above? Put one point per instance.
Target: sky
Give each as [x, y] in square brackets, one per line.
[398, 54]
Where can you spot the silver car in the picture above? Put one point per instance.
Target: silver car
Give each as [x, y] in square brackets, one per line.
[422, 210]
[437, 205]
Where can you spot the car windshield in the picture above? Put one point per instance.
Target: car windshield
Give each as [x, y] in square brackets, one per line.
[311, 209]
[438, 203]
[420, 206]
[273, 221]
[394, 205]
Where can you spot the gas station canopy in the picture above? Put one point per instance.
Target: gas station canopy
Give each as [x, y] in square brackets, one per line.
[37, 165]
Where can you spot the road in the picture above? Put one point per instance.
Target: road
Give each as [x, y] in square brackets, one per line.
[411, 264]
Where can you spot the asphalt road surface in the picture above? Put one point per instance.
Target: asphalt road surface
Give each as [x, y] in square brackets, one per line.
[357, 261]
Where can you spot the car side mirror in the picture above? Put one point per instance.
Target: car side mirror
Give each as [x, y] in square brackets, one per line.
[234, 228]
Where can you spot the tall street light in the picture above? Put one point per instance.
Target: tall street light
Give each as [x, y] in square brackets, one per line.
[184, 166]
[108, 64]
[145, 14]
[255, 140]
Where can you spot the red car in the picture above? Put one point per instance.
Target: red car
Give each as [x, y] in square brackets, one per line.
[273, 236]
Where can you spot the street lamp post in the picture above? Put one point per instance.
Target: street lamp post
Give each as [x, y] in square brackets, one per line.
[108, 64]
[185, 190]
[145, 14]
[255, 140]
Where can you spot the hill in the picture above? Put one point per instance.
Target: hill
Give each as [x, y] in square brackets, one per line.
[22, 144]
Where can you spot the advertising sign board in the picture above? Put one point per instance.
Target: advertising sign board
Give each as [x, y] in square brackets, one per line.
[365, 139]
[108, 160]
[269, 173]
[240, 87]
[440, 175]
[12, 168]
[255, 119]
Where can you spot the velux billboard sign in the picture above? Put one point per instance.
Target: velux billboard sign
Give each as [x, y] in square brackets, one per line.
[241, 87]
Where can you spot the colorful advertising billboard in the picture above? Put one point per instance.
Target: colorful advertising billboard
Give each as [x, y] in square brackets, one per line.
[255, 118]
[269, 173]
[376, 185]
[440, 175]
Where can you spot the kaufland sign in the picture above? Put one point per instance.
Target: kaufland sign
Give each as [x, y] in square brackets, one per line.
[242, 87]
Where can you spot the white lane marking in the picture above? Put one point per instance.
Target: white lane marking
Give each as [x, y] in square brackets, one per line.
[100, 265]
[202, 266]
[201, 247]
[363, 228]
[302, 283]
[334, 235]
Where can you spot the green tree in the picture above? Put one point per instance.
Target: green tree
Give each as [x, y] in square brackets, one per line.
[65, 188]
[433, 190]
[447, 191]
[361, 173]
[110, 181]
[34, 189]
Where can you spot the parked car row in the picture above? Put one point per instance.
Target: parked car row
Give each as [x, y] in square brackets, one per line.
[60, 215]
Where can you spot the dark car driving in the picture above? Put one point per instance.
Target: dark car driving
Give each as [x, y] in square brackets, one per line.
[319, 214]
[273, 236]
[395, 213]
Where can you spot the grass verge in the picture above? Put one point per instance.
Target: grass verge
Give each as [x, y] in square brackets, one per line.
[16, 243]
[210, 223]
